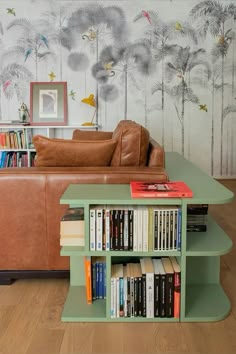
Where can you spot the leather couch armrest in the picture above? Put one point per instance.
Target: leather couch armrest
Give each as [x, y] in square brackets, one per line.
[156, 154]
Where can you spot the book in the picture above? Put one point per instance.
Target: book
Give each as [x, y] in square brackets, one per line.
[88, 278]
[172, 189]
[169, 299]
[177, 286]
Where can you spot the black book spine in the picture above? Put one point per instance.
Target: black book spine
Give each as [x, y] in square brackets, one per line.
[139, 296]
[156, 295]
[144, 301]
[162, 295]
[128, 298]
[169, 295]
[130, 228]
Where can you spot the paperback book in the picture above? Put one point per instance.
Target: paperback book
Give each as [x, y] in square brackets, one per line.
[172, 189]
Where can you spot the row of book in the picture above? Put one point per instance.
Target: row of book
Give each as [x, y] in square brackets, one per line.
[149, 288]
[15, 159]
[138, 228]
[95, 277]
[13, 139]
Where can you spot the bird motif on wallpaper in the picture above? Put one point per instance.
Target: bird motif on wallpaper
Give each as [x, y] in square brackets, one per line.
[178, 26]
[90, 34]
[108, 66]
[6, 84]
[51, 76]
[72, 94]
[11, 11]
[203, 107]
[44, 39]
[143, 14]
[27, 54]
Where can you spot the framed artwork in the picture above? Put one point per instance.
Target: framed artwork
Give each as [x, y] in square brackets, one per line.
[48, 103]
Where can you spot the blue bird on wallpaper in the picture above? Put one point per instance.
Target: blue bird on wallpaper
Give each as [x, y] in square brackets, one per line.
[11, 11]
[27, 54]
[44, 39]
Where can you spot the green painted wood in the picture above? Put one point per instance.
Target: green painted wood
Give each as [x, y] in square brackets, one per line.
[202, 270]
[77, 309]
[214, 242]
[202, 298]
[77, 270]
[206, 302]
[80, 251]
[204, 187]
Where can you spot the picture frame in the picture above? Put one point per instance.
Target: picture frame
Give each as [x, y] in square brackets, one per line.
[48, 103]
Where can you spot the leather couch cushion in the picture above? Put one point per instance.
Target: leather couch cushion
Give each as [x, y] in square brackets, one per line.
[132, 144]
[91, 135]
[71, 153]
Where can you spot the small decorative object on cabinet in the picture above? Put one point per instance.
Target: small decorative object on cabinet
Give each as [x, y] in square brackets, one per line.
[197, 261]
[16, 147]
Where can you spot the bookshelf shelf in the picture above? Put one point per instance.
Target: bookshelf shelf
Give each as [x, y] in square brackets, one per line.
[214, 242]
[13, 136]
[202, 296]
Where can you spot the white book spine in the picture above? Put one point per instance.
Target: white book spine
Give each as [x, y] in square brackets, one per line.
[99, 229]
[107, 228]
[140, 228]
[113, 297]
[125, 297]
[92, 230]
[145, 230]
[149, 295]
[135, 230]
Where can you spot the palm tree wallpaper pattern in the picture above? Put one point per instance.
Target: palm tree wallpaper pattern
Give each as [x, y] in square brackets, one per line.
[168, 64]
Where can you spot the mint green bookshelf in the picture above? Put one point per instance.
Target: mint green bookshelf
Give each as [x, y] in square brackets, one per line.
[202, 296]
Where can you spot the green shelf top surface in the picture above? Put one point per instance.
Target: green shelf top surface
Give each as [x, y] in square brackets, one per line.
[204, 187]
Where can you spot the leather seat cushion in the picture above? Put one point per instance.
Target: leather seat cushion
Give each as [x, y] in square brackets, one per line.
[132, 144]
[91, 135]
[72, 153]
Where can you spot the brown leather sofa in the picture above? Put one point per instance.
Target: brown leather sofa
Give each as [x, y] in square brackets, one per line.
[30, 212]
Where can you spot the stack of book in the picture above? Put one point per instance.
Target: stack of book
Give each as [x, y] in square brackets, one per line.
[72, 227]
[149, 288]
[197, 216]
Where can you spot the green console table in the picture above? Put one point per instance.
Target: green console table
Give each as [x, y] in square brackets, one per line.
[202, 296]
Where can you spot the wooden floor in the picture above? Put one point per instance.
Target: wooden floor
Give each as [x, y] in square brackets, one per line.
[30, 313]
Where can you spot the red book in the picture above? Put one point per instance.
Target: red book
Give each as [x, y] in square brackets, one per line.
[173, 189]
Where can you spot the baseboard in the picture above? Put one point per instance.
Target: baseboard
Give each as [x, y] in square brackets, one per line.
[7, 277]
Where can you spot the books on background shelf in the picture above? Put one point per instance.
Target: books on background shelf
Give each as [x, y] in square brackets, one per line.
[135, 228]
[149, 287]
[197, 217]
[172, 189]
[95, 278]
[72, 227]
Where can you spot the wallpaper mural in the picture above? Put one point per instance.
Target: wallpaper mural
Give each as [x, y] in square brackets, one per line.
[168, 64]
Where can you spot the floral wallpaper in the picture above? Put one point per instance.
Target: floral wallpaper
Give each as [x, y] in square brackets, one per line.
[168, 64]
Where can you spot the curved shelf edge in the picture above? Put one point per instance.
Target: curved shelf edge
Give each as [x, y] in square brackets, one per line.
[205, 303]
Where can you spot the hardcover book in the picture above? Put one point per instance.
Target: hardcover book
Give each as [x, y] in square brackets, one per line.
[173, 189]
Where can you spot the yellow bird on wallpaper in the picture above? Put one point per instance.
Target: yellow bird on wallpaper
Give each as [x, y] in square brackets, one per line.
[178, 26]
[51, 76]
[203, 107]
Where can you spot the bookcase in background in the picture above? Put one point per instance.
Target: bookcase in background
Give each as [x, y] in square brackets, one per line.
[202, 296]
[16, 141]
